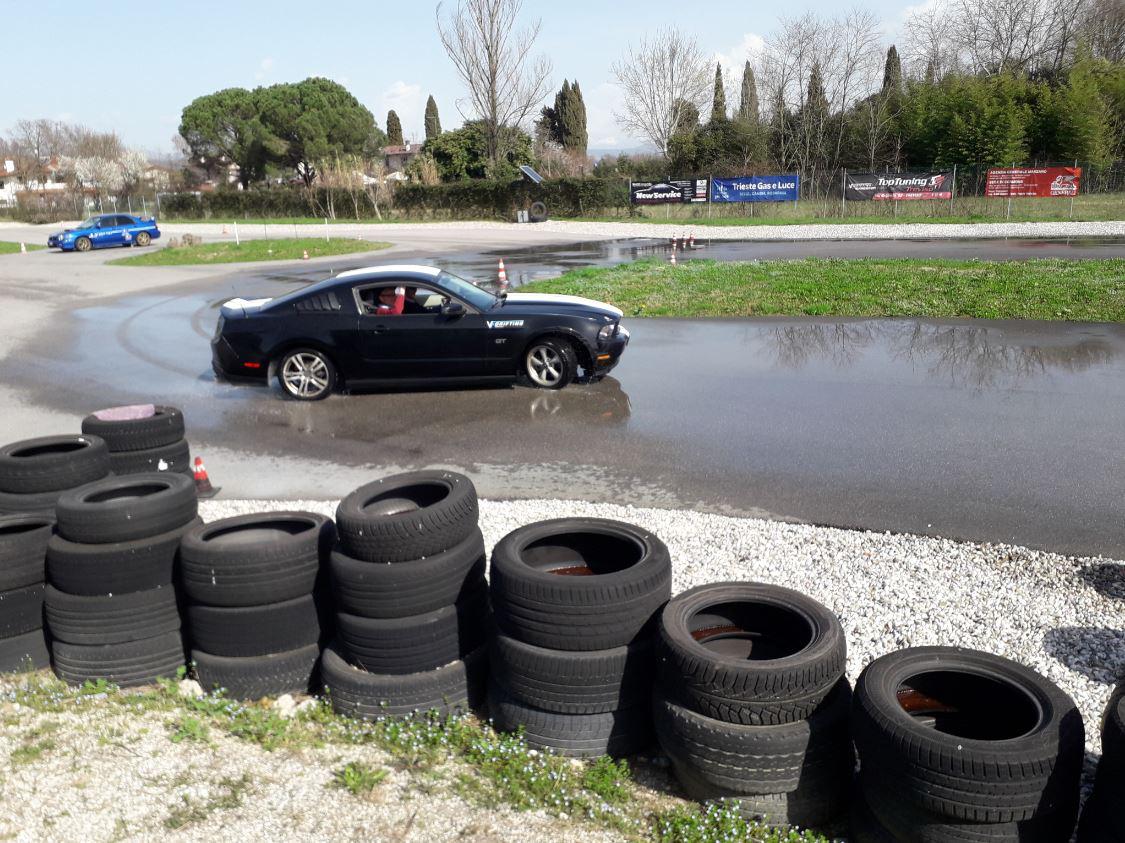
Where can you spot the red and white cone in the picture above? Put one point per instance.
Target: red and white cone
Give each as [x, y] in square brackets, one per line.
[502, 274]
[691, 240]
[672, 260]
[203, 487]
[305, 256]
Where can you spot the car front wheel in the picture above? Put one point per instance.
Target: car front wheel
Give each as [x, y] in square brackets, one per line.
[306, 374]
[82, 244]
[550, 363]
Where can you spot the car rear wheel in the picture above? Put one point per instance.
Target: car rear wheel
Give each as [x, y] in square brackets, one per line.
[142, 238]
[550, 363]
[306, 375]
[82, 244]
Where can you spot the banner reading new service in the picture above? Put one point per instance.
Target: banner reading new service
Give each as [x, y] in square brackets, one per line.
[781, 188]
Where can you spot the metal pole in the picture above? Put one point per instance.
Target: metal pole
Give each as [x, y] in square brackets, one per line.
[952, 189]
[326, 229]
[844, 193]
[797, 192]
[1009, 216]
[708, 197]
[237, 242]
[1075, 191]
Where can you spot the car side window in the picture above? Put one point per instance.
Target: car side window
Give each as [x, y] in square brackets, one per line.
[124, 221]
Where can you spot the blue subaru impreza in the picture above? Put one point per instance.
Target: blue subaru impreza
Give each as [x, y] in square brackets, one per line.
[106, 230]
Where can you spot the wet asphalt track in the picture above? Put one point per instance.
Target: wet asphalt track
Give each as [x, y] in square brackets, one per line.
[983, 430]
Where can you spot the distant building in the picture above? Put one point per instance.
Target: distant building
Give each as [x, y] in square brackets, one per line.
[49, 180]
[397, 157]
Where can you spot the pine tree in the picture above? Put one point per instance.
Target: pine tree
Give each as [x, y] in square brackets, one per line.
[748, 103]
[719, 104]
[892, 72]
[394, 129]
[433, 122]
[575, 137]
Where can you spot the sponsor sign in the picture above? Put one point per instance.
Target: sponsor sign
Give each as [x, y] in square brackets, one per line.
[673, 191]
[1032, 181]
[781, 188]
[891, 186]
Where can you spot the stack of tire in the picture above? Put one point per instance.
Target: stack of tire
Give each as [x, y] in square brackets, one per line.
[142, 438]
[572, 659]
[111, 603]
[35, 472]
[413, 613]
[752, 705]
[253, 583]
[1103, 817]
[23, 551]
[959, 745]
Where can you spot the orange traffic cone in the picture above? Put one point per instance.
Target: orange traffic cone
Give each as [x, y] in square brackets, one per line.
[691, 240]
[203, 487]
[672, 260]
[305, 256]
[502, 274]
[23, 248]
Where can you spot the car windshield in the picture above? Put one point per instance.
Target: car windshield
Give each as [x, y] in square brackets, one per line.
[474, 295]
[90, 223]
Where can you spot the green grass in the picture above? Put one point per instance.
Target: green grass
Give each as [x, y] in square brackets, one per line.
[497, 768]
[1074, 290]
[282, 249]
[9, 248]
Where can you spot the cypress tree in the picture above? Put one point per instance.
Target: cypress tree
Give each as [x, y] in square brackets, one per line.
[433, 122]
[748, 103]
[931, 73]
[719, 104]
[575, 137]
[394, 129]
[817, 100]
[892, 72]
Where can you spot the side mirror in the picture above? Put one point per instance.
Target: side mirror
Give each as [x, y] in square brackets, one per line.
[453, 308]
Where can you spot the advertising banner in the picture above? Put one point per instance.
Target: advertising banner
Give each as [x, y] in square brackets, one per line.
[889, 186]
[1032, 181]
[673, 191]
[781, 188]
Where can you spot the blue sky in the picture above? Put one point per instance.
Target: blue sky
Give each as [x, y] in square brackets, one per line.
[133, 66]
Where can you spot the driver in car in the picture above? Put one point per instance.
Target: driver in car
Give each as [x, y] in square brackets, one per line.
[390, 301]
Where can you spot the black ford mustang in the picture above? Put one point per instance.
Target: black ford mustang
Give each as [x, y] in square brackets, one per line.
[325, 336]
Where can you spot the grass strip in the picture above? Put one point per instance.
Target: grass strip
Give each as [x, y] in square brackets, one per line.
[9, 248]
[285, 249]
[1073, 290]
[497, 768]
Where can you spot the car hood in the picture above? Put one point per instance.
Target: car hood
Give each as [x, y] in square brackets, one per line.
[560, 302]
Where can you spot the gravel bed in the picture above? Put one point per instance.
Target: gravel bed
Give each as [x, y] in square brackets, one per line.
[1061, 615]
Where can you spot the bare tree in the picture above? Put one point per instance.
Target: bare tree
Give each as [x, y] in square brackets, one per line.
[927, 47]
[493, 59]
[1022, 35]
[660, 78]
[1103, 28]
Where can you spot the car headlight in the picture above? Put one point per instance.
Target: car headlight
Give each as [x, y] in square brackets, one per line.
[607, 331]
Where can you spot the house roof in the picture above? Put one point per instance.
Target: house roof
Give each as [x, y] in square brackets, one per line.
[406, 149]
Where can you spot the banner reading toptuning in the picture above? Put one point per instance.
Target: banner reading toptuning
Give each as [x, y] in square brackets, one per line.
[674, 191]
[1032, 181]
[887, 186]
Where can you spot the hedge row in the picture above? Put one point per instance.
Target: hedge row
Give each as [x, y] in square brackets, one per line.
[458, 200]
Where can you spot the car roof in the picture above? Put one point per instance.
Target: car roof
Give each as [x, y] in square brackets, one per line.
[375, 272]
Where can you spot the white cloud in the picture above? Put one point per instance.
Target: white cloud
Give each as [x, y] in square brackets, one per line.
[265, 66]
[733, 60]
[408, 103]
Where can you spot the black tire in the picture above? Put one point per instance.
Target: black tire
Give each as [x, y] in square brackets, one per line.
[255, 630]
[116, 568]
[111, 619]
[617, 733]
[537, 212]
[254, 677]
[126, 665]
[164, 427]
[175, 457]
[20, 653]
[863, 827]
[750, 653]
[1103, 819]
[761, 759]
[822, 807]
[52, 463]
[454, 688]
[407, 516]
[549, 362]
[419, 642]
[39, 503]
[906, 821]
[399, 589]
[23, 549]
[1001, 743]
[568, 682]
[142, 239]
[83, 244]
[253, 560]
[21, 610]
[318, 379]
[626, 576]
[1113, 735]
[120, 509]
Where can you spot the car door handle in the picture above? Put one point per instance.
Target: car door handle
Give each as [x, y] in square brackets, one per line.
[379, 329]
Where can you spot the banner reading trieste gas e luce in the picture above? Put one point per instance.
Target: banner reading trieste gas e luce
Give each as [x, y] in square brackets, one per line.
[781, 188]
[673, 191]
[887, 186]
[1032, 181]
